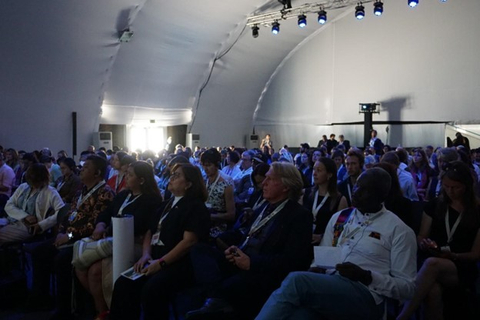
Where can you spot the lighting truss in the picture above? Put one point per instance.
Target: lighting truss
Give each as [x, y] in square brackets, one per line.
[266, 19]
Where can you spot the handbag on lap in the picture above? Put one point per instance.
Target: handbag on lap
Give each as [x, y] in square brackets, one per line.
[87, 251]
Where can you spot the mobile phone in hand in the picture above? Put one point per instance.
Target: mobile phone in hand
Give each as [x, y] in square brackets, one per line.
[234, 252]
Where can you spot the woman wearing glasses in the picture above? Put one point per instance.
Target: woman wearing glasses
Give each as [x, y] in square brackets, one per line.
[180, 222]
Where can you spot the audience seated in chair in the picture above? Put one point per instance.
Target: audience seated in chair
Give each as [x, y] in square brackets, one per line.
[33, 207]
[181, 222]
[242, 277]
[450, 239]
[56, 254]
[377, 261]
[69, 183]
[141, 199]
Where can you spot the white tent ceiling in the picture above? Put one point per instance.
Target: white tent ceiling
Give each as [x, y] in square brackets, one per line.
[58, 54]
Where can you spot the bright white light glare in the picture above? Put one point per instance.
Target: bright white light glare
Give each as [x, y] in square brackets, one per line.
[413, 3]
[138, 138]
[155, 139]
[147, 138]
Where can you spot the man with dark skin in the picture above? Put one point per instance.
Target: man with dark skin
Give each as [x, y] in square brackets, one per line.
[377, 259]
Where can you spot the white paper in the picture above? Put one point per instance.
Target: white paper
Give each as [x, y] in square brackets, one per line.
[123, 245]
[327, 257]
[131, 274]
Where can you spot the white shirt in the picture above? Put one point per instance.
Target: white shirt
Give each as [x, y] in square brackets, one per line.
[407, 184]
[386, 247]
[232, 172]
[403, 166]
[242, 174]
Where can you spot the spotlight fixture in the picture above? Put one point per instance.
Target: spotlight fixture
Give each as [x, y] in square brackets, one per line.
[322, 16]
[360, 11]
[302, 21]
[255, 29]
[443, 0]
[413, 3]
[378, 8]
[275, 27]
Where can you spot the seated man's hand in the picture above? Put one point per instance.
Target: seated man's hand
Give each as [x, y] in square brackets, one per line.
[238, 258]
[99, 232]
[354, 272]
[316, 238]
[62, 238]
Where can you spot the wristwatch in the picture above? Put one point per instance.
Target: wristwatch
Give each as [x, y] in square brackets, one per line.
[70, 235]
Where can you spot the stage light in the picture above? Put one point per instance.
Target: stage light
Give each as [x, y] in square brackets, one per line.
[275, 27]
[378, 8]
[360, 11]
[322, 16]
[443, 0]
[255, 29]
[413, 3]
[302, 21]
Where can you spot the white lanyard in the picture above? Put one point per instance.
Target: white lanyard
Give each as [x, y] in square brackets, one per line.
[316, 208]
[117, 183]
[258, 204]
[126, 203]
[344, 237]
[450, 232]
[212, 186]
[156, 237]
[165, 215]
[81, 199]
[259, 223]
[60, 185]
[349, 191]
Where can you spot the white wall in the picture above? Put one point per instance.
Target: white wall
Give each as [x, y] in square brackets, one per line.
[421, 64]
[29, 128]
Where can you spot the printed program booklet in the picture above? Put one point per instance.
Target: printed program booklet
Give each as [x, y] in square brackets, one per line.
[131, 274]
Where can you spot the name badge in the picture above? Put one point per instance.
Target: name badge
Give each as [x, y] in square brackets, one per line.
[445, 249]
[156, 240]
